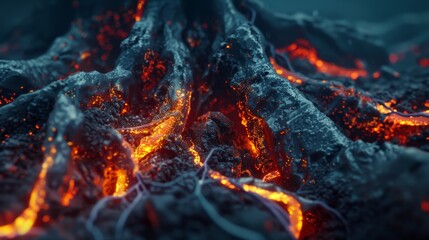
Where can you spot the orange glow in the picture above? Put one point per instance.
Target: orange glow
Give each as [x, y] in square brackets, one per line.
[256, 136]
[153, 69]
[68, 196]
[399, 119]
[5, 100]
[376, 75]
[24, 222]
[302, 49]
[408, 120]
[116, 175]
[114, 94]
[293, 207]
[96, 101]
[46, 218]
[197, 159]
[85, 55]
[115, 182]
[391, 125]
[270, 176]
[251, 145]
[161, 130]
[222, 179]
[151, 142]
[153, 134]
[292, 78]
[139, 10]
[121, 183]
[384, 110]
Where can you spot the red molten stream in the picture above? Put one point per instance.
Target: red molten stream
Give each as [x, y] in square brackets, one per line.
[391, 124]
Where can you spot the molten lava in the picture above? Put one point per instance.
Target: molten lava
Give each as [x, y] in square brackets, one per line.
[291, 77]
[293, 207]
[139, 11]
[154, 86]
[391, 125]
[25, 221]
[394, 117]
[302, 49]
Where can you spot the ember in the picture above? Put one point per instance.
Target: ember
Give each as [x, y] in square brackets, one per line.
[213, 119]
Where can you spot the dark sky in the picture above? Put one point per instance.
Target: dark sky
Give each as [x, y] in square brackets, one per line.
[369, 10]
[12, 12]
[372, 10]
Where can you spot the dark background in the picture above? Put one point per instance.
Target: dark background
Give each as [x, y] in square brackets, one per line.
[371, 10]
[53, 17]
[367, 10]
[14, 11]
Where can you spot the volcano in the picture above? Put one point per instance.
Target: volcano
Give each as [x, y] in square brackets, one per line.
[217, 119]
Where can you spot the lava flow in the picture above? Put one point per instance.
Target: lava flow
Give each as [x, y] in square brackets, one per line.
[25, 221]
[302, 49]
[187, 119]
[391, 124]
